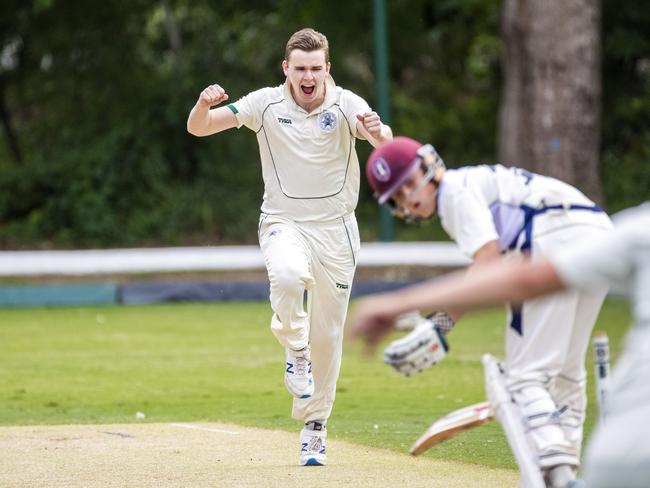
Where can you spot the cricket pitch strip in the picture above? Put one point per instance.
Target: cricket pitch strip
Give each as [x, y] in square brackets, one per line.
[209, 454]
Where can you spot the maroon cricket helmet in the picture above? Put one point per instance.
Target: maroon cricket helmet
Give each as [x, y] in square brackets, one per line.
[390, 165]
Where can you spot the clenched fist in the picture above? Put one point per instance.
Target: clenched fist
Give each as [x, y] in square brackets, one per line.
[212, 95]
[371, 122]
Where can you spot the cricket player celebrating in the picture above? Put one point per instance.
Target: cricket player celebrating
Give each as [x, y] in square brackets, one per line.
[306, 131]
[617, 454]
[491, 211]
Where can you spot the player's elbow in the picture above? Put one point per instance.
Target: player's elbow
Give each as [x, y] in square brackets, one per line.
[195, 131]
[190, 127]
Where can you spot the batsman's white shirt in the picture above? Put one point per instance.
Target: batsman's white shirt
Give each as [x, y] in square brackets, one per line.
[619, 452]
[479, 204]
[309, 164]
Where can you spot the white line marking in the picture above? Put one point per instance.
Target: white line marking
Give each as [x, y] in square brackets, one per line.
[207, 429]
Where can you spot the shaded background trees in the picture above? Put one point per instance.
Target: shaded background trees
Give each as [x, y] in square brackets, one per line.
[94, 100]
[551, 95]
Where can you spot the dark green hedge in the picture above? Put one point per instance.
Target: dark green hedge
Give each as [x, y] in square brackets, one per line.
[95, 153]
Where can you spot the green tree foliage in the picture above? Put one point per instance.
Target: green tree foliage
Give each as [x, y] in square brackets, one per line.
[445, 78]
[101, 104]
[626, 103]
[94, 100]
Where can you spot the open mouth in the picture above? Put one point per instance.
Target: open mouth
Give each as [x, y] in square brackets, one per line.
[307, 90]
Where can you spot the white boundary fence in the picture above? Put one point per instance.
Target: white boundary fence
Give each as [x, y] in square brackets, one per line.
[221, 258]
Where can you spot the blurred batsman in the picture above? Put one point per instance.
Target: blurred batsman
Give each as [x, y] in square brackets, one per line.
[494, 211]
[306, 131]
[618, 454]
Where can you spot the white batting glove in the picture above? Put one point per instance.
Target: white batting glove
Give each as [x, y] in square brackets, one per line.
[419, 350]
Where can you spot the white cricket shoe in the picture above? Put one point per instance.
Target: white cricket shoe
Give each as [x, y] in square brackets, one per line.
[297, 375]
[312, 444]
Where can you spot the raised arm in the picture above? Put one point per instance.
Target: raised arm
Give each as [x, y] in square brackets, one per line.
[204, 121]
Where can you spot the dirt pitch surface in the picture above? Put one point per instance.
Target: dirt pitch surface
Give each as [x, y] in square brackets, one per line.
[212, 455]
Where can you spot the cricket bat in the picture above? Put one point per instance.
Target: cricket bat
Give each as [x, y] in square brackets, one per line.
[513, 423]
[451, 425]
[601, 364]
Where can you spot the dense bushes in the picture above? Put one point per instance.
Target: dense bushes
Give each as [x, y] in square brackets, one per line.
[95, 151]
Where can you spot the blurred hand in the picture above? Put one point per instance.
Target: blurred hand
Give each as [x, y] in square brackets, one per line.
[212, 95]
[372, 123]
[372, 319]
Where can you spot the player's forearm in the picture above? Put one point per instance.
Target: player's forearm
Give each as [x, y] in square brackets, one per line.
[487, 253]
[488, 285]
[205, 122]
[385, 135]
[198, 122]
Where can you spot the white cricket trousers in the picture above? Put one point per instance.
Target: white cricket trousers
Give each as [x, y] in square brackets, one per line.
[545, 356]
[320, 258]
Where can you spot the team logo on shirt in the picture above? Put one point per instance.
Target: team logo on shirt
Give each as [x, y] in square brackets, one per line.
[327, 121]
[380, 170]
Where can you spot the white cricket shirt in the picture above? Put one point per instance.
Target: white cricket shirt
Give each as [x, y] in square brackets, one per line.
[479, 204]
[309, 164]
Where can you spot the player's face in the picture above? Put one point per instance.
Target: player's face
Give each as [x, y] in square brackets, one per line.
[307, 72]
[417, 195]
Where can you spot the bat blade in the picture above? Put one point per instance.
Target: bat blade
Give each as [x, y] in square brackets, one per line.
[451, 425]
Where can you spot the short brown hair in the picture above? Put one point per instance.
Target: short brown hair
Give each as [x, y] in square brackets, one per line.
[307, 40]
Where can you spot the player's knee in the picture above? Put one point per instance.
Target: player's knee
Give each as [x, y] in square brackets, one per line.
[288, 278]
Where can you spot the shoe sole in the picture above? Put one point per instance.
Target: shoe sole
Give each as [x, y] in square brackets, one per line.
[313, 462]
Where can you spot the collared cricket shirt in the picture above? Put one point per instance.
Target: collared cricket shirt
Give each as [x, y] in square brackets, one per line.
[479, 204]
[309, 163]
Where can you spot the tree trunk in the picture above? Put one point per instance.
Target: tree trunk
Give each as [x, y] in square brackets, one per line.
[5, 119]
[173, 33]
[549, 119]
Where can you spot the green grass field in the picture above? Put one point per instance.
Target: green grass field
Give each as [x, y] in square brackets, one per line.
[220, 362]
